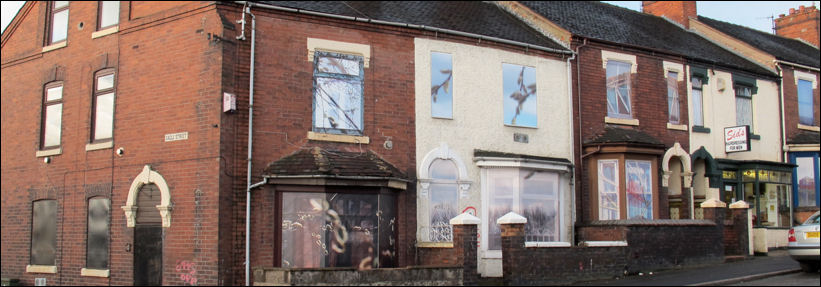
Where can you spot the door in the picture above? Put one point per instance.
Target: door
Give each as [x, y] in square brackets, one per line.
[148, 239]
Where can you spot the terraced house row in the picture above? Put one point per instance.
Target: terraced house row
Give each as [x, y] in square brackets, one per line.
[270, 142]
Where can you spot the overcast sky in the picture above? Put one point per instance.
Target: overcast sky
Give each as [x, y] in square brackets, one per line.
[753, 14]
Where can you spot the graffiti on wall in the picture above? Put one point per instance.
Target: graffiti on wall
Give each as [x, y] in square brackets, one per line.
[188, 272]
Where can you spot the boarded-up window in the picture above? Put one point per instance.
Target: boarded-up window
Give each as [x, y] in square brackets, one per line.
[618, 90]
[441, 90]
[519, 95]
[99, 211]
[44, 232]
[338, 89]
[147, 200]
[608, 189]
[532, 193]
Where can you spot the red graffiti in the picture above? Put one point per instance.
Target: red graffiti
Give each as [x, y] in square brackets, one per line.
[189, 272]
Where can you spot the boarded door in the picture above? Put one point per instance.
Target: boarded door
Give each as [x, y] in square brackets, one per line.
[148, 240]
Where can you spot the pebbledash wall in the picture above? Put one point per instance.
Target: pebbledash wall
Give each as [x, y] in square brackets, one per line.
[167, 80]
[477, 124]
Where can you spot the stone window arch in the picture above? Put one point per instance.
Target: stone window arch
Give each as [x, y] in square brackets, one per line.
[443, 181]
[148, 176]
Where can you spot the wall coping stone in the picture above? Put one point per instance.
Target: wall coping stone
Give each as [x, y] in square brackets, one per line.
[465, 219]
[511, 218]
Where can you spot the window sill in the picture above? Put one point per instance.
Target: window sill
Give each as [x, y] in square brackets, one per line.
[99, 146]
[105, 32]
[49, 152]
[338, 138]
[809, 128]
[53, 47]
[434, 244]
[618, 121]
[701, 129]
[94, 272]
[41, 269]
[547, 244]
[523, 127]
[676, 127]
[603, 243]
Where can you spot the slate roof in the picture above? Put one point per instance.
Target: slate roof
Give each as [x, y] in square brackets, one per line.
[805, 137]
[321, 162]
[480, 18]
[619, 135]
[610, 23]
[785, 49]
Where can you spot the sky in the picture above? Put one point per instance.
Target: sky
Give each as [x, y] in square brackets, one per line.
[753, 14]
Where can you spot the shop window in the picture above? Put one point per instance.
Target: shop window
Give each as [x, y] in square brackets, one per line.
[99, 213]
[532, 193]
[618, 89]
[44, 232]
[338, 230]
[519, 95]
[441, 80]
[444, 199]
[338, 90]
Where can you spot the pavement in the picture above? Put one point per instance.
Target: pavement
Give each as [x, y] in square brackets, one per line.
[775, 263]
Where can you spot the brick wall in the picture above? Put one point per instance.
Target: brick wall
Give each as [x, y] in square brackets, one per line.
[168, 81]
[678, 11]
[791, 100]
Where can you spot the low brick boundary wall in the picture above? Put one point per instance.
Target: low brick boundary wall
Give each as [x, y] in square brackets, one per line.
[409, 276]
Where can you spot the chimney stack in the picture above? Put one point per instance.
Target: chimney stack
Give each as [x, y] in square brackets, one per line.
[799, 24]
[678, 11]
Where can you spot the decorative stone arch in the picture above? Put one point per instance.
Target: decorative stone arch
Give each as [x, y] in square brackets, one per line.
[148, 176]
[710, 166]
[684, 157]
[445, 153]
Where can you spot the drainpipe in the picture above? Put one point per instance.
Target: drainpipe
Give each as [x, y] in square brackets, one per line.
[247, 10]
[579, 97]
[569, 68]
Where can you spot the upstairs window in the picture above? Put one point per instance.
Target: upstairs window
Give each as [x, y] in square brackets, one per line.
[519, 95]
[805, 103]
[618, 89]
[338, 90]
[58, 22]
[103, 102]
[744, 106]
[698, 101]
[441, 90]
[109, 14]
[673, 106]
[52, 116]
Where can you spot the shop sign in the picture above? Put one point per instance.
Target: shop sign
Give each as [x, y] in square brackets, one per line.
[737, 139]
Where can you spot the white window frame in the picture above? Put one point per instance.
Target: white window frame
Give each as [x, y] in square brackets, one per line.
[463, 182]
[600, 185]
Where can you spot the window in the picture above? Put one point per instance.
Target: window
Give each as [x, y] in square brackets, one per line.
[608, 189]
[532, 193]
[109, 14]
[52, 116]
[806, 178]
[58, 17]
[618, 89]
[99, 211]
[639, 183]
[337, 230]
[805, 103]
[673, 107]
[44, 232]
[338, 90]
[444, 199]
[103, 101]
[698, 100]
[519, 95]
[744, 106]
[441, 90]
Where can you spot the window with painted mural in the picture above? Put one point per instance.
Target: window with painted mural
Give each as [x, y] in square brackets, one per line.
[44, 232]
[618, 89]
[531, 193]
[443, 200]
[338, 90]
[805, 177]
[673, 106]
[744, 106]
[99, 210]
[519, 95]
[639, 183]
[441, 81]
[608, 189]
[338, 230]
[805, 103]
